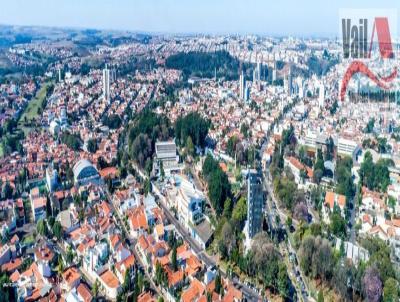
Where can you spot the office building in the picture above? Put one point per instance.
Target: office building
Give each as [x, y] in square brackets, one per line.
[166, 154]
[347, 147]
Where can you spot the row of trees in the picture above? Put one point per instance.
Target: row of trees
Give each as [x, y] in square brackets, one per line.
[229, 229]
[205, 64]
[49, 228]
[219, 188]
[262, 262]
[374, 280]
[344, 177]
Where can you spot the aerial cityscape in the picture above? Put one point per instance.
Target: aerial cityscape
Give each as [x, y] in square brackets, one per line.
[199, 152]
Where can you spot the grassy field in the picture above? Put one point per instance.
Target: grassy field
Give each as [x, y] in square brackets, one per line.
[31, 112]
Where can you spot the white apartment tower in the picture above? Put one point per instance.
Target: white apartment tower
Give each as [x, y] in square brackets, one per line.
[106, 83]
[242, 84]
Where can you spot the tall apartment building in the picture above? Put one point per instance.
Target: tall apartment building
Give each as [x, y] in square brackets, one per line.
[242, 84]
[255, 203]
[106, 83]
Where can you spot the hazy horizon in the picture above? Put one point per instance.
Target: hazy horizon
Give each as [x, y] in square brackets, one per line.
[308, 19]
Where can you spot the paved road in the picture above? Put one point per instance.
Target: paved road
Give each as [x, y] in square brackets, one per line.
[273, 211]
[287, 248]
[250, 294]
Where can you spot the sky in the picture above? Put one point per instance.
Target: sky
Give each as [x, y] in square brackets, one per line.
[307, 18]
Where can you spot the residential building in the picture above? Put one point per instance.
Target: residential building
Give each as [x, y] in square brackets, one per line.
[255, 203]
[106, 84]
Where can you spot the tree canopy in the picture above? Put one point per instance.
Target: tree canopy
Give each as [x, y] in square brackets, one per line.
[219, 188]
[192, 125]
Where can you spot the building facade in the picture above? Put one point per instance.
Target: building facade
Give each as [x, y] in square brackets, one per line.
[255, 202]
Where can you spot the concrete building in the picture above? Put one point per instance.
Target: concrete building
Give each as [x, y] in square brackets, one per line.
[51, 178]
[255, 203]
[106, 83]
[242, 86]
[166, 154]
[347, 147]
[190, 203]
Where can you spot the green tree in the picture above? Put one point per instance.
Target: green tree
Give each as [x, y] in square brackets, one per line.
[289, 221]
[319, 163]
[192, 125]
[320, 296]
[113, 121]
[41, 227]
[283, 280]
[148, 166]
[338, 224]
[227, 213]
[140, 281]
[330, 149]
[174, 262]
[239, 213]
[391, 290]
[218, 189]
[147, 186]
[218, 284]
[344, 177]
[57, 230]
[231, 145]
[162, 172]
[69, 255]
[73, 141]
[7, 190]
[370, 126]
[92, 145]
[7, 293]
[95, 289]
[127, 282]
[189, 146]
[244, 129]
[60, 266]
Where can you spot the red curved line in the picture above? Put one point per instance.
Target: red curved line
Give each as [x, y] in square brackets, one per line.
[360, 67]
[391, 76]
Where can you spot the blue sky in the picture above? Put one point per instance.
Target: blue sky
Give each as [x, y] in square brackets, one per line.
[279, 17]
